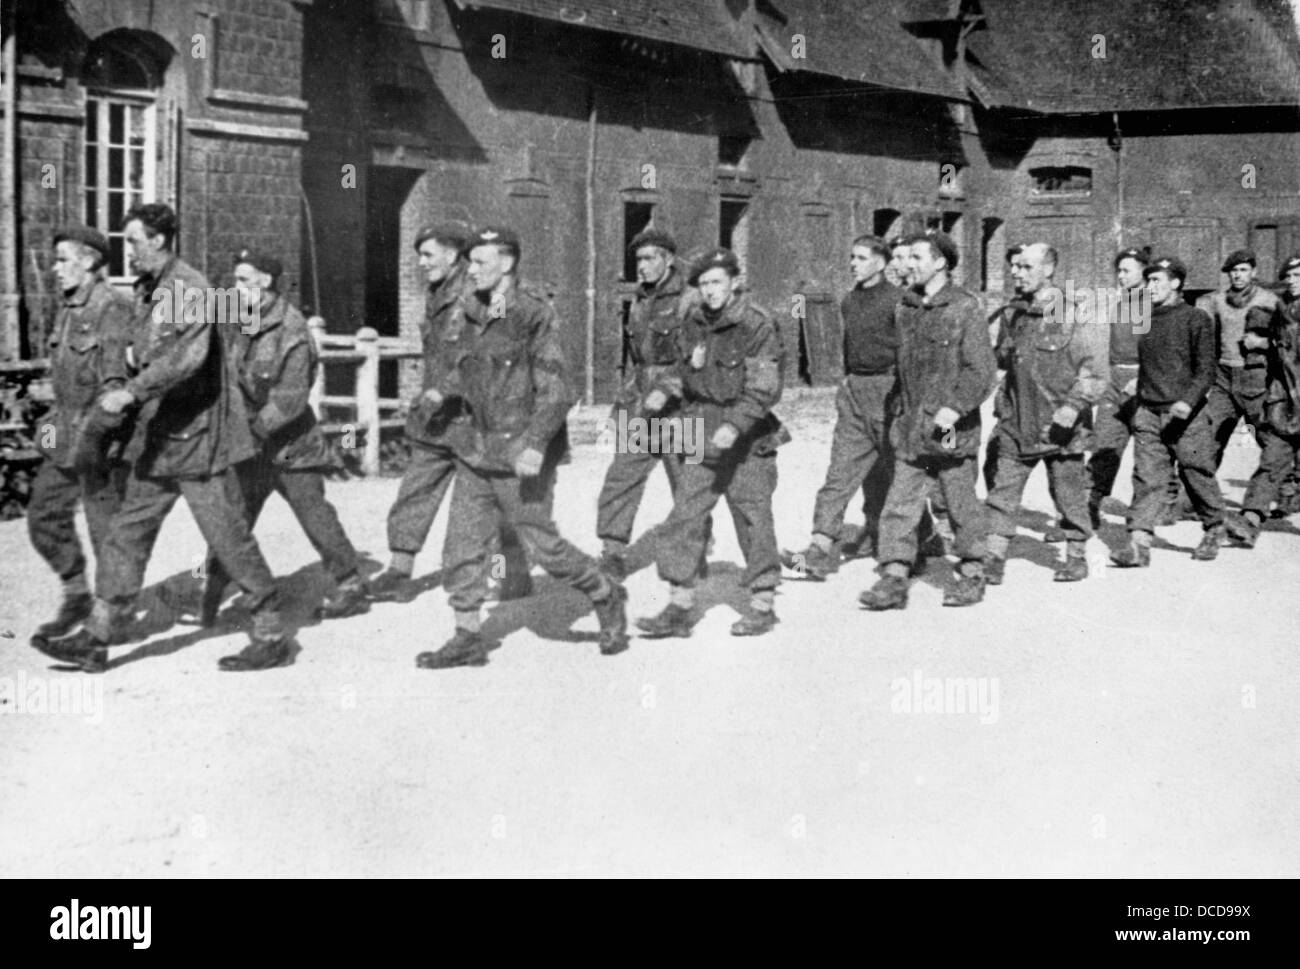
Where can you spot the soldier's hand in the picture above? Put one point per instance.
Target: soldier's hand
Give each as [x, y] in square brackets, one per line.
[1181, 410]
[116, 401]
[946, 417]
[655, 401]
[432, 397]
[529, 463]
[1254, 341]
[1065, 416]
[1131, 387]
[725, 436]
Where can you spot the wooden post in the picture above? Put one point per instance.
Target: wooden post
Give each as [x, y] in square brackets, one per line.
[368, 397]
[316, 326]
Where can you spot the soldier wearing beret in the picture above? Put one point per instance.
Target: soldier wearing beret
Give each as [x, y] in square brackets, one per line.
[658, 309]
[1055, 368]
[89, 349]
[1176, 368]
[274, 358]
[946, 370]
[1279, 432]
[190, 432]
[434, 432]
[1243, 315]
[510, 377]
[727, 379]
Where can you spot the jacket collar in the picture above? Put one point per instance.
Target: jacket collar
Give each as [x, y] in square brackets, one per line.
[481, 311]
[917, 297]
[729, 316]
[148, 282]
[81, 295]
[452, 285]
[271, 314]
[669, 285]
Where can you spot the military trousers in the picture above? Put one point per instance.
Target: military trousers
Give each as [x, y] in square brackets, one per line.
[1277, 462]
[216, 511]
[748, 482]
[860, 453]
[424, 485]
[481, 503]
[254, 481]
[623, 488]
[1237, 392]
[52, 512]
[1160, 442]
[1008, 472]
[911, 486]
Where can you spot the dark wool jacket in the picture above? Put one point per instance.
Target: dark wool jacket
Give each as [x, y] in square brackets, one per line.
[945, 359]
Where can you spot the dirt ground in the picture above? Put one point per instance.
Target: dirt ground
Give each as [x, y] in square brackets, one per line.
[1136, 723]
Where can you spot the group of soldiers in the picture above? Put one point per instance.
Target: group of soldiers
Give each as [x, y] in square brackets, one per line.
[158, 399]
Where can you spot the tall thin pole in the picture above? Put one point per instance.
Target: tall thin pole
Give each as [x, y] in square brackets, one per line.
[10, 338]
[1119, 182]
[589, 390]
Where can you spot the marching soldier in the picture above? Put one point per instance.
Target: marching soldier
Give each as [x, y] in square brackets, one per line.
[433, 433]
[661, 303]
[1055, 370]
[190, 432]
[728, 378]
[511, 377]
[89, 346]
[1279, 432]
[946, 370]
[274, 359]
[1176, 368]
[860, 456]
[1243, 317]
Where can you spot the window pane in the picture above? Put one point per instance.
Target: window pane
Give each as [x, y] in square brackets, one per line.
[117, 257]
[115, 123]
[91, 176]
[116, 208]
[92, 119]
[116, 160]
[92, 207]
[137, 126]
[137, 170]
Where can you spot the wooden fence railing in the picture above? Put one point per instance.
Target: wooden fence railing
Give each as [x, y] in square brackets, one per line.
[363, 351]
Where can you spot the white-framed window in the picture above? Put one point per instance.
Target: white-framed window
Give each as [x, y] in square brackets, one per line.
[120, 165]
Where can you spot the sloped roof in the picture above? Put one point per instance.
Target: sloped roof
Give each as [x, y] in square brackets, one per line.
[856, 40]
[699, 24]
[1039, 54]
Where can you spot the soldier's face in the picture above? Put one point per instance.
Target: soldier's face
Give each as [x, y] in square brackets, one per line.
[250, 283]
[717, 287]
[652, 264]
[865, 264]
[1129, 273]
[436, 259]
[488, 265]
[145, 253]
[1029, 272]
[72, 265]
[1241, 275]
[923, 263]
[1162, 287]
[897, 271]
[1293, 281]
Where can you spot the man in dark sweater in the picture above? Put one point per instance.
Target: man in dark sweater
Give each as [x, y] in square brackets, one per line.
[1176, 367]
[860, 453]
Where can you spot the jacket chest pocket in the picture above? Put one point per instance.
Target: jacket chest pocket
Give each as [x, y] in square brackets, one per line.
[83, 358]
[661, 340]
[509, 386]
[727, 372]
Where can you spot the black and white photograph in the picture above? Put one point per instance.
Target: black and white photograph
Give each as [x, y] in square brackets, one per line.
[651, 438]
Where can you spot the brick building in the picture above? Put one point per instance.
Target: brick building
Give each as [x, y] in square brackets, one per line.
[328, 130]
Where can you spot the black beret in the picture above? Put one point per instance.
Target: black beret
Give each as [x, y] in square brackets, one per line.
[1236, 258]
[495, 235]
[453, 234]
[1167, 264]
[1142, 255]
[1292, 263]
[714, 259]
[261, 261]
[85, 235]
[652, 237]
[943, 244]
